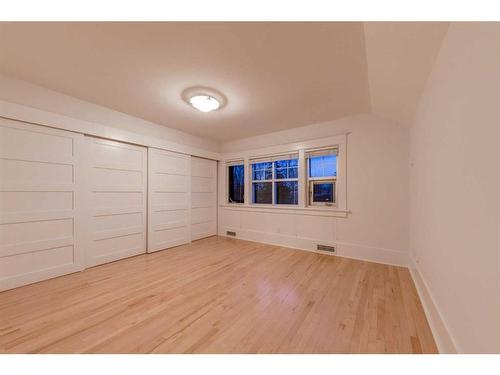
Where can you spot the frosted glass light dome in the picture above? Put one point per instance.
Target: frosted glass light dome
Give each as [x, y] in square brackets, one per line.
[204, 103]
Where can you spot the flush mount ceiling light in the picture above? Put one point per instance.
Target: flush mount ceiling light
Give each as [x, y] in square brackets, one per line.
[204, 103]
[204, 99]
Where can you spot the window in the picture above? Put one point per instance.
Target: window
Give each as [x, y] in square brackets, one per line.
[286, 183]
[262, 186]
[310, 178]
[275, 180]
[322, 176]
[236, 183]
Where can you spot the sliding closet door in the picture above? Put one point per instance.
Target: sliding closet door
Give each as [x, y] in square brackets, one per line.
[203, 198]
[117, 176]
[168, 199]
[40, 203]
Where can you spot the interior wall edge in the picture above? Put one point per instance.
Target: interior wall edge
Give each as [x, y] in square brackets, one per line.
[343, 249]
[19, 112]
[442, 334]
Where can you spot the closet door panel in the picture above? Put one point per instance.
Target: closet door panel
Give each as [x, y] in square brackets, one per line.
[203, 198]
[168, 199]
[117, 186]
[41, 203]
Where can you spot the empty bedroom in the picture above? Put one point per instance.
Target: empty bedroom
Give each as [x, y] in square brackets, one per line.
[326, 187]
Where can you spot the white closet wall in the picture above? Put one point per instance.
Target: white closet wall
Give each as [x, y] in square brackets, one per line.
[168, 199]
[117, 187]
[203, 198]
[69, 201]
[40, 203]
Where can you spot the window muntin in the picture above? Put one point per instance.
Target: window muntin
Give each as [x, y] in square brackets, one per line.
[262, 171]
[286, 169]
[322, 176]
[236, 183]
[275, 180]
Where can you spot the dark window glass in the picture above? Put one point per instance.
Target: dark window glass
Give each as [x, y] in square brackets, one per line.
[323, 166]
[262, 171]
[286, 192]
[286, 169]
[323, 192]
[262, 192]
[236, 183]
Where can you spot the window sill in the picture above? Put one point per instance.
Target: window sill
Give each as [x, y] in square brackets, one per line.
[310, 211]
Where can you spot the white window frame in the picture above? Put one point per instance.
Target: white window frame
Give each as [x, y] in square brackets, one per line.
[339, 210]
[311, 181]
[232, 164]
[273, 180]
[252, 181]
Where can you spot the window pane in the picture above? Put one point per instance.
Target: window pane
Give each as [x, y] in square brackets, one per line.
[236, 180]
[262, 192]
[262, 171]
[286, 169]
[323, 166]
[323, 192]
[281, 173]
[287, 192]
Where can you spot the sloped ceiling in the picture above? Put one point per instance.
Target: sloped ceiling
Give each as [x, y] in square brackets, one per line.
[400, 57]
[275, 75]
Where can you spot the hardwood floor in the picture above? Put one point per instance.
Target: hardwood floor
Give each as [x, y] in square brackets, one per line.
[220, 295]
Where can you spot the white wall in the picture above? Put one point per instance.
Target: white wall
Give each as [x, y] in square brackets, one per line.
[377, 193]
[21, 92]
[455, 190]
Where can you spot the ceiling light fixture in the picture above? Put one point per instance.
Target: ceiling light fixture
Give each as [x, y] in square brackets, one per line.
[204, 103]
[204, 99]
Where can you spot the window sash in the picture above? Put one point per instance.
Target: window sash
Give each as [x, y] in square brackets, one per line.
[308, 163]
[229, 199]
[273, 180]
[312, 183]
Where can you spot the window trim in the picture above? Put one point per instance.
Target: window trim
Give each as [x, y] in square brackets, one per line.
[272, 159]
[232, 164]
[338, 141]
[311, 181]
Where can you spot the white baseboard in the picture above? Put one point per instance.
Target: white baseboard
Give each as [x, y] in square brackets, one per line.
[343, 249]
[439, 328]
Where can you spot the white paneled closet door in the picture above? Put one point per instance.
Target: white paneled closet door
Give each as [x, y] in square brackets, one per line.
[203, 198]
[117, 188]
[40, 203]
[168, 199]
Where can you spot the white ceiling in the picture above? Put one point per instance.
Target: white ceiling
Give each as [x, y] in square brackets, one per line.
[275, 75]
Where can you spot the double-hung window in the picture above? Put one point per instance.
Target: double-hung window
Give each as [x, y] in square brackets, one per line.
[262, 182]
[322, 177]
[236, 182]
[275, 180]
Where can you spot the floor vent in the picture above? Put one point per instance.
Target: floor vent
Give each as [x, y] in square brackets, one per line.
[330, 249]
[229, 233]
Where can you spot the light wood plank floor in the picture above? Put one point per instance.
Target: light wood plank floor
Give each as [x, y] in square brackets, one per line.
[220, 295]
